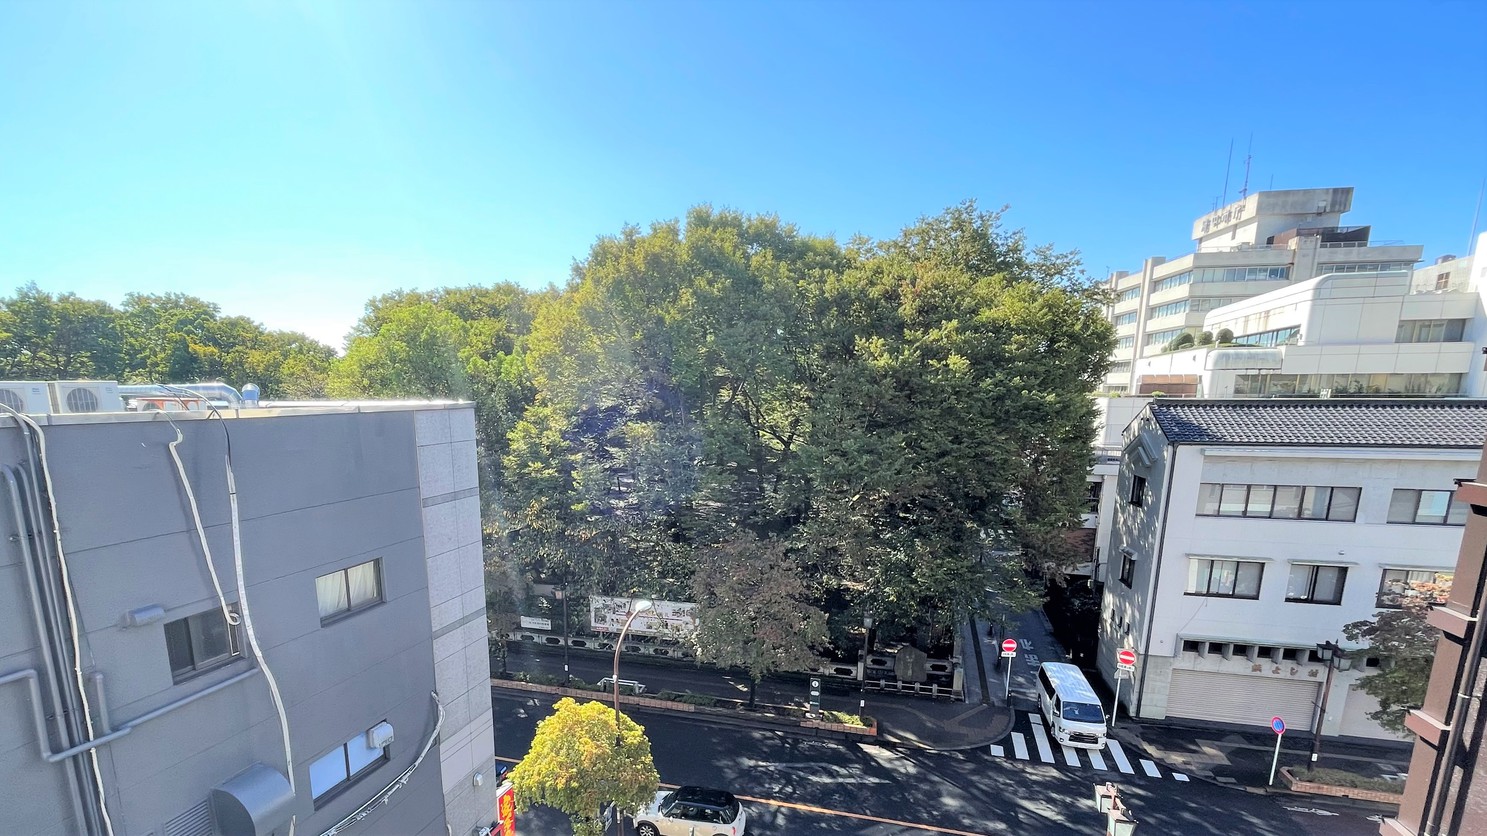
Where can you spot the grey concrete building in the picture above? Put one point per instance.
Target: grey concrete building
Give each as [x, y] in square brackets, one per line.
[351, 696]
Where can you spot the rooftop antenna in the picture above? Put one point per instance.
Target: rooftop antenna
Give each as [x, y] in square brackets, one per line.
[1471, 241]
[1228, 164]
[1244, 190]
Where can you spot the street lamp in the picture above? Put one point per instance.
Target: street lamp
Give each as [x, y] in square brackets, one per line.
[563, 596]
[1328, 652]
[636, 608]
[867, 632]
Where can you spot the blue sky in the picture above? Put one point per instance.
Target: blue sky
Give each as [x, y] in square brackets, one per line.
[288, 161]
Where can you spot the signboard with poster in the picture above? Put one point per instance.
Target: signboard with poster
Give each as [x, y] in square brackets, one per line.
[672, 619]
[506, 810]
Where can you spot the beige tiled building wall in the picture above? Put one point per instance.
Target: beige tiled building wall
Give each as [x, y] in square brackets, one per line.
[450, 491]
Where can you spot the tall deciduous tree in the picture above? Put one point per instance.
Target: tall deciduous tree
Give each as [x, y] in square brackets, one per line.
[580, 760]
[57, 337]
[1405, 644]
[754, 610]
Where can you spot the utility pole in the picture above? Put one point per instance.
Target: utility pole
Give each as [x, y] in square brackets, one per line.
[1329, 651]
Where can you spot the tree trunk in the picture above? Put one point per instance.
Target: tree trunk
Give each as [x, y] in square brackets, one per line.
[753, 684]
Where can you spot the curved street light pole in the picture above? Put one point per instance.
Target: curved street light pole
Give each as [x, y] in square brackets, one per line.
[636, 608]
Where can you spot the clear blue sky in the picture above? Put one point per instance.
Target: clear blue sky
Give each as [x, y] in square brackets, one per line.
[288, 161]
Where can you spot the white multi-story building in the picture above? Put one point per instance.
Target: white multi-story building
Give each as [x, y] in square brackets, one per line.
[1247, 532]
[1263, 242]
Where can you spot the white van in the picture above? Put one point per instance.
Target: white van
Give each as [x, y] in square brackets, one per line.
[1069, 704]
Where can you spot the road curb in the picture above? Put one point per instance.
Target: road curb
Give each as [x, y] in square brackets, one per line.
[803, 728]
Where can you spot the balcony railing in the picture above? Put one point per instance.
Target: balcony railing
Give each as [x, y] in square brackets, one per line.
[1350, 245]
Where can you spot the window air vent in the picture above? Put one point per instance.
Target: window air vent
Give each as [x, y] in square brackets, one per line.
[196, 821]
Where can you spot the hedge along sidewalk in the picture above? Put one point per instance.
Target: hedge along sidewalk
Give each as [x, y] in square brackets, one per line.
[1368, 789]
[811, 727]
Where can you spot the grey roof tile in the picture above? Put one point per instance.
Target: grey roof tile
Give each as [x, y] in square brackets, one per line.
[1325, 422]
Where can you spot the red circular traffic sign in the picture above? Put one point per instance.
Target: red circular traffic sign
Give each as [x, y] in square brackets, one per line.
[1126, 657]
[1009, 645]
[1278, 725]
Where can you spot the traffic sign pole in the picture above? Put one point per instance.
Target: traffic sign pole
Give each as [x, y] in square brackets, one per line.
[1279, 726]
[1009, 651]
[1115, 706]
[1125, 665]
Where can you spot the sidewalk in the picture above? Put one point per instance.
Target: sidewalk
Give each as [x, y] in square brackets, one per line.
[915, 722]
[1241, 757]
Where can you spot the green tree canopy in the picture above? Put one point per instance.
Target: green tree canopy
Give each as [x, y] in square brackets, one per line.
[1405, 644]
[580, 760]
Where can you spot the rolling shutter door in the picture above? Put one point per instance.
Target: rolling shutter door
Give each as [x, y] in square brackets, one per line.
[1246, 700]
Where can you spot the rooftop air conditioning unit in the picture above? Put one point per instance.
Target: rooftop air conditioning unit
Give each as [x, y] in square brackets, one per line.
[25, 396]
[70, 397]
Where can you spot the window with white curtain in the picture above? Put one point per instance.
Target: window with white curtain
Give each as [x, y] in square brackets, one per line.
[347, 590]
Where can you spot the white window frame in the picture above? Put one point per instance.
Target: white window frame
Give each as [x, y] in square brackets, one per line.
[348, 603]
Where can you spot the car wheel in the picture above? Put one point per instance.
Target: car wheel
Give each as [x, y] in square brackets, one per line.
[645, 828]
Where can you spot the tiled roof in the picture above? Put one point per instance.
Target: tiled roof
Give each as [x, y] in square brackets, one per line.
[1325, 422]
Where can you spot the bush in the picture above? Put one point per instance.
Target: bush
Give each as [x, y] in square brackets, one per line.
[1181, 341]
[1225, 335]
[843, 718]
[1205, 338]
[1344, 778]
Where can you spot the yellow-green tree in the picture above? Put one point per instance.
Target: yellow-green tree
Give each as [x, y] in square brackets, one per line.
[580, 761]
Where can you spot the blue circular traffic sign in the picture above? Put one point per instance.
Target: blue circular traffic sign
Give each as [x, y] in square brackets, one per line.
[1278, 724]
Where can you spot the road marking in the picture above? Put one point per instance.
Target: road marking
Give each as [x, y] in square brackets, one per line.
[1179, 776]
[1019, 745]
[1045, 753]
[997, 751]
[1070, 757]
[1035, 717]
[1097, 759]
[1120, 756]
[1151, 768]
[827, 811]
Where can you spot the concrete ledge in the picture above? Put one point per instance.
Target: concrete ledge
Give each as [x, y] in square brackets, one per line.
[813, 728]
[1338, 792]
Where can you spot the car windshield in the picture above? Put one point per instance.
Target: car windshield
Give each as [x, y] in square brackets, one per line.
[730, 812]
[1083, 712]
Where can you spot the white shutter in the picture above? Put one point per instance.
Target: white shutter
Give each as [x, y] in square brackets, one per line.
[1245, 700]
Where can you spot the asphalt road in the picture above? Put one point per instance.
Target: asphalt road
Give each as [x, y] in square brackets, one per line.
[805, 787]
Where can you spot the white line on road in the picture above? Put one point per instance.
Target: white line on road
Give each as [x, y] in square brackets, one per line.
[1120, 757]
[997, 751]
[1097, 759]
[1151, 768]
[1070, 757]
[1019, 745]
[1045, 752]
[1179, 776]
[1035, 717]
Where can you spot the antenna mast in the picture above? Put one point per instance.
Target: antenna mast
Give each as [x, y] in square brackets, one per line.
[1228, 164]
[1244, 191]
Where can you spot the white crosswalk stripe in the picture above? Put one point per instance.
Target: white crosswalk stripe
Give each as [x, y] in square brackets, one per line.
[1096, 759]
[1069, 757]
[1040, 737]
[1019, 745]
[1120, 756]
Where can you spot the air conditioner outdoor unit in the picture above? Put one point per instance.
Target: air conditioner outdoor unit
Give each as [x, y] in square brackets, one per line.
[25, 396]
[82, 396]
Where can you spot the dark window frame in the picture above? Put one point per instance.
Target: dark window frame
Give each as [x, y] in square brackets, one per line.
[192, 626]
[350, 780]
[1137, 495]
[345, 573]
[1311, 586]
[1454, 506]
[1389, 599]
[1273, 503]
[1259, 582]
[1127, 569]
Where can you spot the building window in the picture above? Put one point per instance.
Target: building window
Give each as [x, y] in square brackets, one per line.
[1430, 331]
[1128, 341]
[1128, 294]
[349, 590]
[1172, 281]
[1443, 281]
[1125, 319]
[1272, 338]
[1345, 385]
[1315, 584]
[1208, 303]
[1365, 267]
[1398, 584]
[343, 766]
[1224, 578]
[200, 643]
[1279, 502]
[1138, 491]
[1169, 309]
[1162, 337]
[1127, 569]
[1092, 497]
[1120, 366]
[1412, 507]
[1241, 274]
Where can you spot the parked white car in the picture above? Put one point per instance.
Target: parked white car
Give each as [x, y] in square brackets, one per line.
[692, 811]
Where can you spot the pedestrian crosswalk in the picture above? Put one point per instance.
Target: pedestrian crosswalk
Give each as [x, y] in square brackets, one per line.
[1043, 743]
